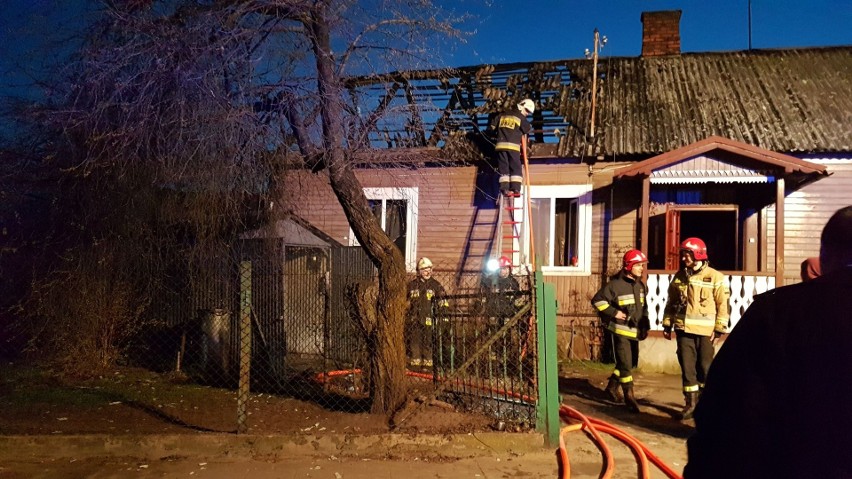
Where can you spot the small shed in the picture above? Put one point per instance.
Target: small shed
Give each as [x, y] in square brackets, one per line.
[290, 264]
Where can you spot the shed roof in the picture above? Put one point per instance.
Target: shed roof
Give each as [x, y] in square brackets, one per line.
[293, 230]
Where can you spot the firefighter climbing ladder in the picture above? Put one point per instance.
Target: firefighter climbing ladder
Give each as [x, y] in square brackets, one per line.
[513, 209]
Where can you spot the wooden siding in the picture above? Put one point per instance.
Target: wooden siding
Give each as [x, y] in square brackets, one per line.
[805, 213]
[446, 209]
[559, 173]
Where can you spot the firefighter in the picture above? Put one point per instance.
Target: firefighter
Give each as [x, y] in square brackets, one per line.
[621, 306]
[501, 299]
[511, 127]
[698, 311]
[500, 293]
[427, 301]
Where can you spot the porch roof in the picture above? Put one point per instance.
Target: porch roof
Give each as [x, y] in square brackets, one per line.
[735, 152]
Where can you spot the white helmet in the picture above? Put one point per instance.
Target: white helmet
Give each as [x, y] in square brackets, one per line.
[424, 263]
[526, 106]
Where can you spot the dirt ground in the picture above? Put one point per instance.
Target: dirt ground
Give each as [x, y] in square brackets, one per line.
[46, 420]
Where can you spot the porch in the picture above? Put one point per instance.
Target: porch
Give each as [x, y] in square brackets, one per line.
[744, 286]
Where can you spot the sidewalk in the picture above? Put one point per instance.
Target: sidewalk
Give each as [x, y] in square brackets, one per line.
[334, 456]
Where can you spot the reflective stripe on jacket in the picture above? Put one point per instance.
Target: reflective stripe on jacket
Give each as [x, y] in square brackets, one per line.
[426, 299]
[620, 294]
[698, 302]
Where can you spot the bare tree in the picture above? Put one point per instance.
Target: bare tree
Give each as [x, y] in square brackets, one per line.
[187, 114]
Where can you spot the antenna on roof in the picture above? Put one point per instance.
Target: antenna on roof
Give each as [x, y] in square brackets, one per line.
[749, 24]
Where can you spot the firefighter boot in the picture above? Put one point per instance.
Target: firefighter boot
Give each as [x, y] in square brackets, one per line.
[691, 401]
[629, 398]
[612, 391]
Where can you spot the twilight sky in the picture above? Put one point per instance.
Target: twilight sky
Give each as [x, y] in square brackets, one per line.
[518, 30]
[508, 30]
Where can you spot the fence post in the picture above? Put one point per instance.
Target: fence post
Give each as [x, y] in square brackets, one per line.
[245, 345]
[547, 407]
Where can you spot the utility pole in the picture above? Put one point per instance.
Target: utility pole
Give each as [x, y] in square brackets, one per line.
[599, 43]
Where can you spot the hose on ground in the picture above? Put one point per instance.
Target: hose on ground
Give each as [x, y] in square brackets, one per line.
[591, 426]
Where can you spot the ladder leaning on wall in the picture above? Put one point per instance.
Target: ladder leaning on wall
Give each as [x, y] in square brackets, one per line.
[513, 209]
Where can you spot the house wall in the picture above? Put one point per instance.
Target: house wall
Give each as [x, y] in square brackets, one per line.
[614, 231]
[452, 210]
[805, 213]
[457, 213]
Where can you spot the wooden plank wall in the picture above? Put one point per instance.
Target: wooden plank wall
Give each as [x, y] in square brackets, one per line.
[456, 206]
[451, 209]
[806, 212]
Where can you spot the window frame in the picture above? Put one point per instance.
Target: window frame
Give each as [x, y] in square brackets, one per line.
[583, 195]
[410, 194]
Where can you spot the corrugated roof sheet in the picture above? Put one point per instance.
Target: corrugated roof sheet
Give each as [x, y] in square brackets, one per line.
[782, 100]
[791, 100]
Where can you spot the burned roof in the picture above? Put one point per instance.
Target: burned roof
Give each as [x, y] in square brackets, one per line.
[786, 100]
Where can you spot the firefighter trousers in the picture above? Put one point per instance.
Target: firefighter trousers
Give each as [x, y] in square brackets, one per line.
[511, 170]
[626, 353]
[419, 342]
[694, 353]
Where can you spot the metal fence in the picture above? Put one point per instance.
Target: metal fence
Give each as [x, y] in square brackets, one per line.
[272, 318]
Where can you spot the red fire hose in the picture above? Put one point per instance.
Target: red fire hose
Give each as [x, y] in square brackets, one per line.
[592, 426]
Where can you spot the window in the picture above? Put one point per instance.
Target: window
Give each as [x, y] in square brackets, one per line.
[396, 211]
[561, 221]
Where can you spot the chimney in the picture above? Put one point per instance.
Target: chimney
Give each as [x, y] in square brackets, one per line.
[661, 33]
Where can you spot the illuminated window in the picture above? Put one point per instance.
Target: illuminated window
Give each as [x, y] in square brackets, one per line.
[561, 219]
[396, 211]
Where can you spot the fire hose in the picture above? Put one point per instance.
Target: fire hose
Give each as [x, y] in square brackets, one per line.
[594, 427]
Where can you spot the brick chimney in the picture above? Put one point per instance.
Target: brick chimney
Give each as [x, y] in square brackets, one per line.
[661, 33]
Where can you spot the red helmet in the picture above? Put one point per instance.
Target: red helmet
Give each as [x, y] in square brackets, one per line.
[695, 246]
[633, 257]
[504, 262]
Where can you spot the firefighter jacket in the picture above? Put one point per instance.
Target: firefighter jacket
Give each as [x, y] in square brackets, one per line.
[427, 299]
[625, 294]
[501, 297]
[511, 126]
[698, 302]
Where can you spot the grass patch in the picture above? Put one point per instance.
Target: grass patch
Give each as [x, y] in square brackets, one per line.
[577, 365]
[24, 388]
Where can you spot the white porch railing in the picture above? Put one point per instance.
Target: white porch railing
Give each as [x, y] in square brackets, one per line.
[743, 290]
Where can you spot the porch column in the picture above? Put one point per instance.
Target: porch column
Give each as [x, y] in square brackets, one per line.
[646, 210]
[779, 231]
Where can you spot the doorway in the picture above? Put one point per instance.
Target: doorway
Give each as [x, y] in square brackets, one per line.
[716, 225]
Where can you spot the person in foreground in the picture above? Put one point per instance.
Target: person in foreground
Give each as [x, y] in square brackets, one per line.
[776, 402]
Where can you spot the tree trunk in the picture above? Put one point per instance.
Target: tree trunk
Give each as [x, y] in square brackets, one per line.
[385, 343]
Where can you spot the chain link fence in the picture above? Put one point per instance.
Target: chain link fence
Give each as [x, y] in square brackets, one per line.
[280, 319]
